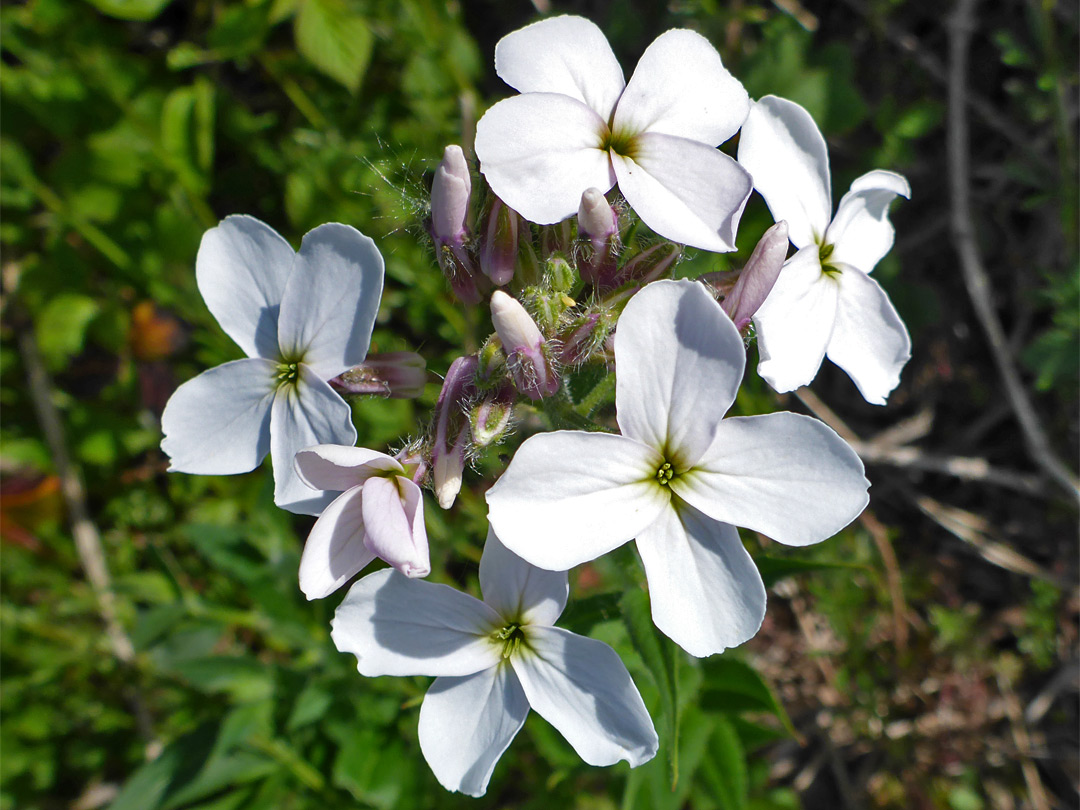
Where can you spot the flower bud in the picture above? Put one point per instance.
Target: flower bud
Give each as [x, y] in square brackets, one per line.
[398, 375]
[561, 274]
[651, 264]
[499, 255]
[451, 430]
[450, 192]
[524, 346]
[585, 337]
[490, 419]
[758, 276]
[596, 217]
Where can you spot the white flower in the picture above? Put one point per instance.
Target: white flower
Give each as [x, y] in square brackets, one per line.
[578, 125]
[493, 661]
[824, 302]
[380, 513]
[301, 319]
[678, 478]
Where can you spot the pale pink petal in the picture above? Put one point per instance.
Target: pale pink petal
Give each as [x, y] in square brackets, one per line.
[305, 413]
[781, 146]
[219, 422]
[796, 321]
[678, 364]
[335, 550]
[241, 270]
[581, 687]
[785, 475]
[330, 303]
[394, 524]
[400, 626]
[705, 591]
[567, 55]
[540, 151]
[680, 87]
[339, 467]
[520, 592]
[568, 497]
[466, 723]
[869, 341]
[861, 233]
[684, 190]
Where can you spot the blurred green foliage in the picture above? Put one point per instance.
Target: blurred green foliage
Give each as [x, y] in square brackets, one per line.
[129, 127]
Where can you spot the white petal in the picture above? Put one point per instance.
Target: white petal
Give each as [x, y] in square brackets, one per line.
[307, 413]
[680, 87]
[678, 364]
[684, 190]
[219, 422]
[335, 549]
[781, 146]
[400, 626]
[869, 341]
[569, 496]
[540, 151]
[331, 300]
[467, 723]
[241, 270]
[517, 590]
[567, 55]
[337, 467]
[581, 687]
[861, 233]
[394, 524]
[783, 474]
[705, 590]
[794, 324]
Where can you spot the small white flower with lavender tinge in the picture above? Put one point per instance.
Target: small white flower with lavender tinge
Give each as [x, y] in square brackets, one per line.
[379, 513]
[577, 124]
[302, 318]
[493, 661]
[824, 304]
[680, 477]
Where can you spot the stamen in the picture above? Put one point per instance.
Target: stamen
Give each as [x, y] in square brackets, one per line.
[511, 636]
[664, 474]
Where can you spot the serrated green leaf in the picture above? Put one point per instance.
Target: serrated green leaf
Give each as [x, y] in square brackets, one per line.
[725, 769]
[335, 40]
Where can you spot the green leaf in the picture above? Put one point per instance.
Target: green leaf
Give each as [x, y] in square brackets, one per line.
[61, 327]
[774, 569]
[335, 40]
[661, 657]
[140, 10]
[725, 770]
[244, 679]
[732, 686]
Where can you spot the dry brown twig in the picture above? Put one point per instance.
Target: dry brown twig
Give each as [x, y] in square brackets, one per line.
[961, 27]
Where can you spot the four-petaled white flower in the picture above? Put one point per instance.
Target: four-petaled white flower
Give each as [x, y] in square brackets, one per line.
[578, 125]
[678, 478]
[493, 661]
[824, 302]
[380, 513]
[301, 319]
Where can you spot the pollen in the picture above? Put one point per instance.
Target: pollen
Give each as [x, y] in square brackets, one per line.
[287, 373]
[664, 474]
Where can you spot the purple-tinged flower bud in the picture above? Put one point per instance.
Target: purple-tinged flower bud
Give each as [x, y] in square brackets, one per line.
[598, 222]
[499, 255]
[585, 337]
[398, 375]
[596, 217]
[450, 192]
[451, 430]
[651, 264]
[526, 356]
[758, 276]
[490, 419]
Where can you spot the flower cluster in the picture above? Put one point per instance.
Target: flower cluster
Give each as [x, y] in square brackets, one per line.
[576, 276]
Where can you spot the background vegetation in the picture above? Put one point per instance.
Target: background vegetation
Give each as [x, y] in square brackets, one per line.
[924, 658]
